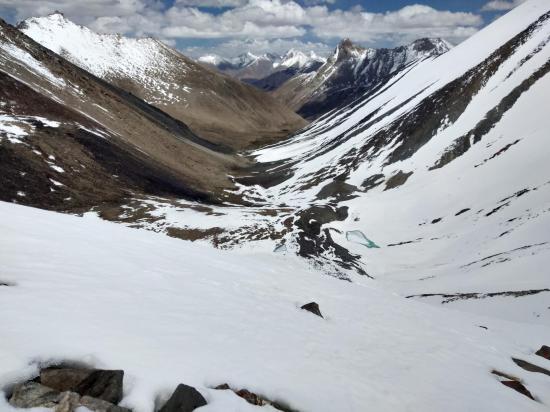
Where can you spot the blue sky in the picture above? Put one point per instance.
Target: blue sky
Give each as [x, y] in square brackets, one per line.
[230, 27]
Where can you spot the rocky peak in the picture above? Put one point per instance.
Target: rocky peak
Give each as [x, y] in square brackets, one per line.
[346, 44]
[345, 50]
[431, 44]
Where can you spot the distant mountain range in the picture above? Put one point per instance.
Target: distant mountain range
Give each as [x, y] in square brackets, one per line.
[350, 72]
[250, 67]
[312, 85]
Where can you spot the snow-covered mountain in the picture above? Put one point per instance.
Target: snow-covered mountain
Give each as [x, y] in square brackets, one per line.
[252, 68]
[217, 107]
[292, 64]
[429, 194]
[350, 72]
[299, 60]
[444, 167]
[244, 66]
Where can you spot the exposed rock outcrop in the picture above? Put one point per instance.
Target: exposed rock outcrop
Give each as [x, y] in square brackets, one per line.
[312, 307]
[33, 394]
[96, 383]
[67, 388]
[184, 399]
[544, 351]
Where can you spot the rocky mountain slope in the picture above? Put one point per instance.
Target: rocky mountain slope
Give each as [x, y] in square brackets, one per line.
[69, 140]
[350, 72]
[215, 106]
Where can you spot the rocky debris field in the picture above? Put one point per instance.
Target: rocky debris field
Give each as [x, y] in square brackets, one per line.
[67, 388]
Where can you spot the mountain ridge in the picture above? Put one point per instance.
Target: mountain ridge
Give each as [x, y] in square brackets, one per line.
[216, 106]
[351, 71]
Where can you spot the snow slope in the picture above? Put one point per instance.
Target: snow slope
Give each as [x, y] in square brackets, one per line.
[168, 311]
[446, 168]
[108, 56]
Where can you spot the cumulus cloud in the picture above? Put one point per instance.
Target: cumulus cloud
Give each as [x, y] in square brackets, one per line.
[317, 2]
[235, 47]
[258, 19]
[82, 10]
[501, 5]
[211, 3]
[406, 24]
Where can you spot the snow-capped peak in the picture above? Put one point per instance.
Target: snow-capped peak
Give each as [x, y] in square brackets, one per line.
[212, 59]
[346, 49]
[100, 54]
[433, 44]
[298, 59]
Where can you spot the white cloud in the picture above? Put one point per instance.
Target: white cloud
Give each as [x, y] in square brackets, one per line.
[257, 19]
[234, 47]
[501, 5]
[82, 10]
[408, 23]
[317, 2]
[211, 3]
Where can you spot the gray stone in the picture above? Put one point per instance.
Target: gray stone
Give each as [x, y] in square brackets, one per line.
[312, 307]
[99, 405]
[63, 379]
[32, 394]
[544, 351]
[96, 383]
[103, 384]
[68, 402]
[184, 399]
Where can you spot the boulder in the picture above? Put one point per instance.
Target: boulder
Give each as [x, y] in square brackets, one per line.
[528, 366]
[68, 402]
[518, 387]
[32, 394]
[96, 383]
[99, 405]
[544, 351]
[103, 384]
[313, 308]
[63, 379]
[184, 399]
